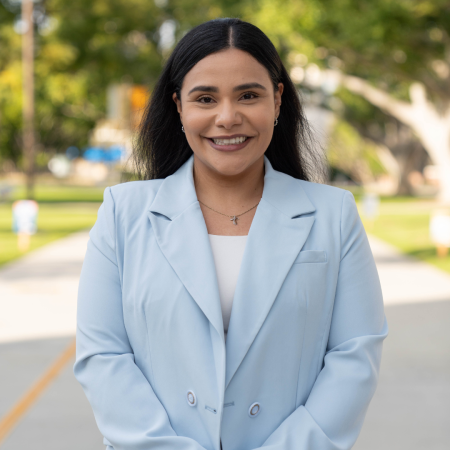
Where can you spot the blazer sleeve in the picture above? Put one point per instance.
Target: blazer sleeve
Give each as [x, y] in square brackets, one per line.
[333, 414]
[126, 409]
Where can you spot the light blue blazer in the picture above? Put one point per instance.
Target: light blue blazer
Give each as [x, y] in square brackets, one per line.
[301, 360]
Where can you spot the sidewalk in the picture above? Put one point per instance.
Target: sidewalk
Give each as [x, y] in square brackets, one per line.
[37, 320]
[38, 296]
[38, 293]
[406, 280]
[411, 407]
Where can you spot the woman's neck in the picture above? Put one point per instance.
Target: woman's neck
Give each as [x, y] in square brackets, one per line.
[230, 195]
[229, 191]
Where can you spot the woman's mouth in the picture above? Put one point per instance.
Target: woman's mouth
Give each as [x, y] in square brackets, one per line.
[238, 140]
[231, 144]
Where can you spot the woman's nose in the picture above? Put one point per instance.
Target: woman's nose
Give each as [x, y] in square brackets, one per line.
[227, 115]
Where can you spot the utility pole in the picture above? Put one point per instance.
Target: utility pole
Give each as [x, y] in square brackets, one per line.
[28, 95]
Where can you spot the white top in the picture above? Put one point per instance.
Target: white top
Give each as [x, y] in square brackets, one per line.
[228, 252]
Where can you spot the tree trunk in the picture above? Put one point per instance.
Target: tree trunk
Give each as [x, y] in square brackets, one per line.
[431, 128]
[28, 95]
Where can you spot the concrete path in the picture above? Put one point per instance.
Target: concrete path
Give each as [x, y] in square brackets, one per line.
[38, 293]
[61, 418]
[406, 280]
[410, 410]
[411, 407]
[38, 296]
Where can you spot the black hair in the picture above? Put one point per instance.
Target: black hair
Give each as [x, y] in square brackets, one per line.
[161, 147]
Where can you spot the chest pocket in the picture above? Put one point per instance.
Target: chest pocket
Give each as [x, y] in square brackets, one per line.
[311, 256]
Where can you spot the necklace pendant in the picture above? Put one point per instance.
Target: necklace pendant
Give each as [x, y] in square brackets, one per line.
[234, 219]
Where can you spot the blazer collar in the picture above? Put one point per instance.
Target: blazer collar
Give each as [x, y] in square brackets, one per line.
[278, 231]
[177, 192]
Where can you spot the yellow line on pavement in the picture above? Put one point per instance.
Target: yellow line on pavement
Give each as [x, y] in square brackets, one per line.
[8, 422]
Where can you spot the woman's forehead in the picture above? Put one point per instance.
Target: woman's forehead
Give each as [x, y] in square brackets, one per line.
[226, 70]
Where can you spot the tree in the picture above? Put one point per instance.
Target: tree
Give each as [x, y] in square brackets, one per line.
[81, 47]
[396, 54]
[431, 126]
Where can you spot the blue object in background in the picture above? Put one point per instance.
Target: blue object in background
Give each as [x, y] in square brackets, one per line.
[93, 154]
[98, 154]
[114, 153]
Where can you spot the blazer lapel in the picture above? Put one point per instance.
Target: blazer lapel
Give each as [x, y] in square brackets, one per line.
[276, 236]
[182, 236]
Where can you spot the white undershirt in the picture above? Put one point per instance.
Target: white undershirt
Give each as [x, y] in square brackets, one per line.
[228, 252]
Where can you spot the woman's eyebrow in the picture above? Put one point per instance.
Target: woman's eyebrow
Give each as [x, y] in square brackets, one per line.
[241, 87]
[204, 89]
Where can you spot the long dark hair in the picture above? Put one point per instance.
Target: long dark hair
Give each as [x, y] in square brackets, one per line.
[161, 147]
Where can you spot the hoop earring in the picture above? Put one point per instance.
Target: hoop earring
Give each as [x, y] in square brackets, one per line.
[276, 122]
[182, 129]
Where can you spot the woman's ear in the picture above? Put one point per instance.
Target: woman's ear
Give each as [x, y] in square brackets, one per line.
[278, 95]
[177, 101]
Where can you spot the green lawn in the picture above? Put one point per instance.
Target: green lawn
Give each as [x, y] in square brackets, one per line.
[57, 194]
[55, 220]
[62, 210]
[404, 223]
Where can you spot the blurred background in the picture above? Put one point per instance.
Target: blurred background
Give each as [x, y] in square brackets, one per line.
[374, 78]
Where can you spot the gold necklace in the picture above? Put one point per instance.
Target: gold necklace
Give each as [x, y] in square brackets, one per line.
[233, 218]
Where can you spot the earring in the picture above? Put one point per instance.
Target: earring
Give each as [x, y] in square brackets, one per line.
[276, 122]
[182, 129]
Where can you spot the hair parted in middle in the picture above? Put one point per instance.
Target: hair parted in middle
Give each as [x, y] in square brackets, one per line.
[161, 147]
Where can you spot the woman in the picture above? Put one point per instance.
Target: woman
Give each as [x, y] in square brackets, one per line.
[227, 237]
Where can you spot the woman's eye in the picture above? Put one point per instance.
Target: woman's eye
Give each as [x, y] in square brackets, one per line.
[249, 96]
[246, 96]
[207, 100]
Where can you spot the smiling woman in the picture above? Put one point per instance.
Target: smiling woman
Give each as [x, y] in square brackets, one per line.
[235, 103]
[228, 301]
[228, 71]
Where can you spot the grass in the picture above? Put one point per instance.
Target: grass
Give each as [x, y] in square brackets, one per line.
[57, 194]
[55, 220]
[405, 224]
[402, 221]
[62, 210]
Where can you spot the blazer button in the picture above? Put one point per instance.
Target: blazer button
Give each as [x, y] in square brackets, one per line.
[191, 398]
[254, 409]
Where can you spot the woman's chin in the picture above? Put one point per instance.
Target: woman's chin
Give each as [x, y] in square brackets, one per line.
[231, 164]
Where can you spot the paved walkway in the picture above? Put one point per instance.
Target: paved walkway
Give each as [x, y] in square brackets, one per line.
[43, 286]
[406, 280]
[410, 410]
[38, 296]
[411, 407]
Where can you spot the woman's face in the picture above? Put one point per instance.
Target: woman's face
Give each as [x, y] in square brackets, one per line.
[228, 107]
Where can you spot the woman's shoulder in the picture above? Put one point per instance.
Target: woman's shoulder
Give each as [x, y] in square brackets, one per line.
[324, 194]
[333, 205]
[136, 187]
[134, 195]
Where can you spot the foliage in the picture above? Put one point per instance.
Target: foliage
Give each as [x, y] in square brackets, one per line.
[83, 46]
[352, 154]
[389, 42]
[80, 47]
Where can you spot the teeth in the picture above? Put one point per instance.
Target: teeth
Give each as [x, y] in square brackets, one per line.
[238, 140]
